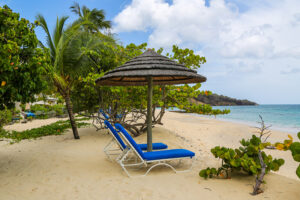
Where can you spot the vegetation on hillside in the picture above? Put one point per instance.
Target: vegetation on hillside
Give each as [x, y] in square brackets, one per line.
[220, 100]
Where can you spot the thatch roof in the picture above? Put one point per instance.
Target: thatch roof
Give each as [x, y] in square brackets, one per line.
[150, 64]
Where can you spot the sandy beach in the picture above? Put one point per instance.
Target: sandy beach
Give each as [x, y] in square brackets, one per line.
[59, 167]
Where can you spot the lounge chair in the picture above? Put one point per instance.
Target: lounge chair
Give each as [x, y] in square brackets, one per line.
[117, 116]
[104, 114]
[109, 150]
[98, 120]
[157, 158]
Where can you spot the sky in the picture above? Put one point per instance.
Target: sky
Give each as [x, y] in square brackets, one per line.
[252, 47]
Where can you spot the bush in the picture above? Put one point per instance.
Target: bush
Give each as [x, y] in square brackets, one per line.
[5, 117]
[58, 108]
[56, 128]
[294, 147]
[243, 159]
[46, 111]
[23, 106]
[249, 158]
[37, 107]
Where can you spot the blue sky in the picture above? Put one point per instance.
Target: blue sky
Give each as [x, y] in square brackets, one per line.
[252, 47]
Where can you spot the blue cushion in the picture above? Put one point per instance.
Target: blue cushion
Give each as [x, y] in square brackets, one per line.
[155, 155]
[104, 114]
[30, 114]
[166, 154]
[111, 128]
[155, 146]
[130, 139]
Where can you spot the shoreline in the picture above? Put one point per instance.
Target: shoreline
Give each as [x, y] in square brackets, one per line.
[290, 130]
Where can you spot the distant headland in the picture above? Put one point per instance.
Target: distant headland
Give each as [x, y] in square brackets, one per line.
[220, 100]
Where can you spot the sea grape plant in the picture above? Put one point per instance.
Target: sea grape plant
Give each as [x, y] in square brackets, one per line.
[249, 158]
[245, 159]
[294, 147]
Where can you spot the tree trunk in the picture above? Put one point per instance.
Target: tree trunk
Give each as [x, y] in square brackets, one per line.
[71, 116]
[259, 179]
[163, 108]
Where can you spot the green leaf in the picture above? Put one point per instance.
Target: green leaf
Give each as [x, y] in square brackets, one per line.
[297, 157]
[235, 163]
[295, 148]
[202, 173]
[213, 171]
[298, 171]
[253, 169]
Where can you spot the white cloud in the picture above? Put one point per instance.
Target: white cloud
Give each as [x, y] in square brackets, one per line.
[258, 32]
[262, 39]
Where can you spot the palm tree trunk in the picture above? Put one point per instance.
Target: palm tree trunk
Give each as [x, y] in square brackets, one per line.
[71, 116]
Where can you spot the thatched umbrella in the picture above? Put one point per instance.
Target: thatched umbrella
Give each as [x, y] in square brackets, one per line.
[150, 68]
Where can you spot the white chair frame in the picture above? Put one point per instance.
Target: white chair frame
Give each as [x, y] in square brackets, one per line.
[97, 120]
[109, 150]
[145, 163]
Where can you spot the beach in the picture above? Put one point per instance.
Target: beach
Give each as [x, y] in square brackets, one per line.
[59, 167]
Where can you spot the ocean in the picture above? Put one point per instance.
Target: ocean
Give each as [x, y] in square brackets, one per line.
[280, 117]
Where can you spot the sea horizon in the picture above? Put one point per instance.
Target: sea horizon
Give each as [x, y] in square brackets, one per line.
[282, 117]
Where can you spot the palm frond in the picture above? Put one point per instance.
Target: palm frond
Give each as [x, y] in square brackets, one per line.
[40, 18]
[58, 31]
[85, 11]
[75, 8]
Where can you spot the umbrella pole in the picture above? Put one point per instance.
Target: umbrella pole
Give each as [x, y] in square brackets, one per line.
[149, 114]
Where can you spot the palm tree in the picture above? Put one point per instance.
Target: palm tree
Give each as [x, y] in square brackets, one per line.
[92, 20]
[71, 51]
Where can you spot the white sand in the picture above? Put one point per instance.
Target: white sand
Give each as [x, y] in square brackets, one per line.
[59, 167]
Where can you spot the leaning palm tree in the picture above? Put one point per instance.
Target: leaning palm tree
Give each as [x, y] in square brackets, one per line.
[92, 20]
[72, 53]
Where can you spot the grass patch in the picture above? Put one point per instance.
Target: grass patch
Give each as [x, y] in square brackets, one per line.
[79, 118]
[56, 128]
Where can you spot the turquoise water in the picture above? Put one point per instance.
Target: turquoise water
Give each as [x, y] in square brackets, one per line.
[281, 117]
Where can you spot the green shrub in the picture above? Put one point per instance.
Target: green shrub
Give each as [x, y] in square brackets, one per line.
[56, 128]
[295, 149]
[244, 159]
[5, 117]
[23, 107]
[58, 108]
[37, 107]
[44, 111]
[249, 158]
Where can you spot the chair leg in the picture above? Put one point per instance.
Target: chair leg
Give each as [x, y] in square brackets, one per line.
[97, 120]
[160, 163]
[124, 158]
[109, 151]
